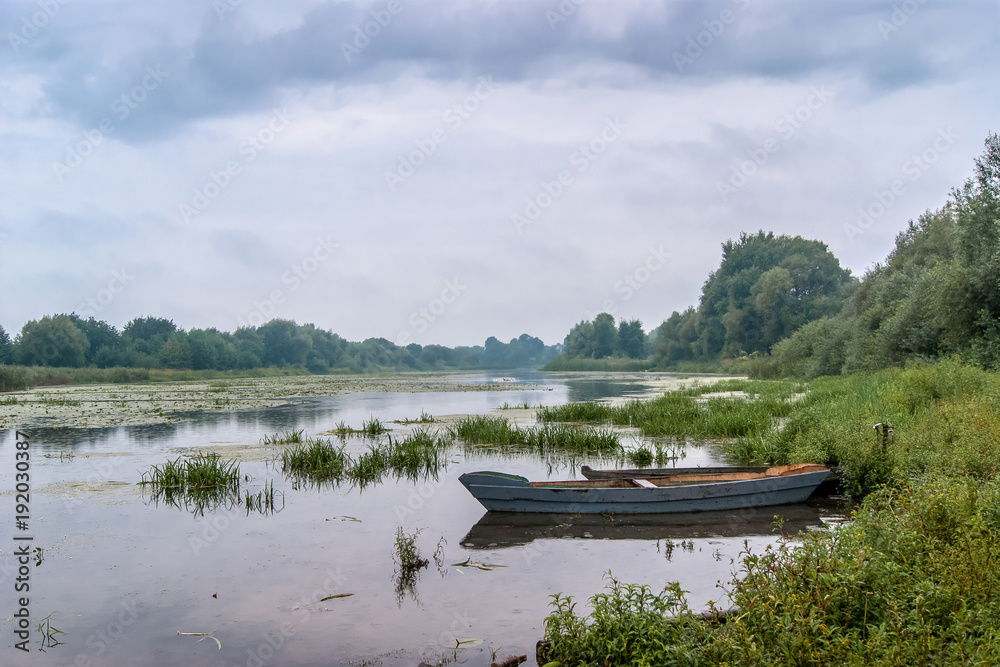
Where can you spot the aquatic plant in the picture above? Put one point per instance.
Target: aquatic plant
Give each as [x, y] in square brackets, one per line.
[640, 458]
[373, 426]
[203, 481]
[263, 501]
[490, 430]
[408, 563]
[284, 438]
[315, 461]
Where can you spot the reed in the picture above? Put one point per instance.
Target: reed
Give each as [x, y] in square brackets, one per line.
[203, 481]
[315, 461]
[285, 437]
[484, 429]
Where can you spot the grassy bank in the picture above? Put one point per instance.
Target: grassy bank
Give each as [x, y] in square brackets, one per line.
[17, 378]
[911, 580]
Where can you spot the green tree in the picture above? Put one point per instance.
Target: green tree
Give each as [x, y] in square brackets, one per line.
[284, 344]
[6, 347]
[676, 337]
[765, 288]
[605, 336]
[580, 341]
[143, 339]
[632, 339]
[103, 339]
[207, 348]
[176, 351]
[52, 341]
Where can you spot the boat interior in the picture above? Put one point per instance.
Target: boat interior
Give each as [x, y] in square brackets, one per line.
[686, 479]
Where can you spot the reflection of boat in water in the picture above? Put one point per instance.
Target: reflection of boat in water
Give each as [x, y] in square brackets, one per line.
[499, 530]
[630, 495]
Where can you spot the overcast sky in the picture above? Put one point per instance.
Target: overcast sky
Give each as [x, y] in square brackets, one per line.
[440, 172]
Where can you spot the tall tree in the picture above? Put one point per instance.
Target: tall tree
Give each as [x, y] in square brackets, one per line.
[52, 341]
[765, 288]
[605, 336]
[632, 339]
[6, 347]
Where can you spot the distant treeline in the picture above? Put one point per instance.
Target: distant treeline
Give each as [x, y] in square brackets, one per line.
[780, 305]
[69, 341]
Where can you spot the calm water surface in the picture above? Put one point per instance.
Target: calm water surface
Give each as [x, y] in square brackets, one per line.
[122, 575]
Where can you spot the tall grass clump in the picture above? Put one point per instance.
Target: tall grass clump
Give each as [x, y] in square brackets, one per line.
[498, 431]
[912, 580]
[373, 426]
[684, 414]
[14, 378]
[285, 437]
[205, 480]
[416, 456]
[316, 461]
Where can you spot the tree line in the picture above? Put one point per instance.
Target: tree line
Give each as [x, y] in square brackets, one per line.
[67, 340]
[783, 305]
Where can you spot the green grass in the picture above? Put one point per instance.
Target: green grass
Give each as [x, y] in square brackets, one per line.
[912, 580]
[493, 430]
[204, 481]
[424, 418]
[315, 461]
[373, 426]
[16, 378]
[286, 437]
[416, 456]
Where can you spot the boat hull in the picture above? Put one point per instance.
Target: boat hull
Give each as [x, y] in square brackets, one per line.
[508, 493]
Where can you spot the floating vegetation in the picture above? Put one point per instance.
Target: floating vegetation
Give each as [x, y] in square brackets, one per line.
[203, 635]
[332, 597]
[59, 401]
[10, 400]
[484, 429]
[468, 562]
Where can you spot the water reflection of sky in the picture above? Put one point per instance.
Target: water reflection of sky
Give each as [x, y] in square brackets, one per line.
[122, 575]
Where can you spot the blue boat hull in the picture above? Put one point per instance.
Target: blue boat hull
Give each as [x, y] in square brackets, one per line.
[509, 493]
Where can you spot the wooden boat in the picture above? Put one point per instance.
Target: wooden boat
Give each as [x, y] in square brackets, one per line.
[646, 473]
[829, 486]
[777, 485]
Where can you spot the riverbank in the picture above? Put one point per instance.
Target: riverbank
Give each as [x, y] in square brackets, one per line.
[910, 580]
